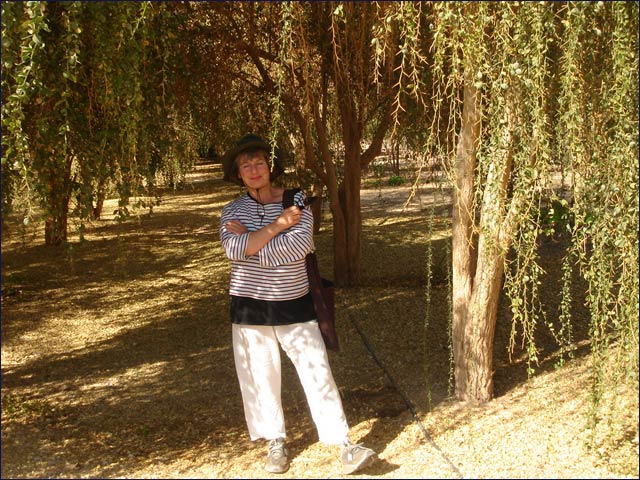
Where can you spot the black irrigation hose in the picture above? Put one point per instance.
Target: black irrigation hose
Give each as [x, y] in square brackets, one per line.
[404, 396]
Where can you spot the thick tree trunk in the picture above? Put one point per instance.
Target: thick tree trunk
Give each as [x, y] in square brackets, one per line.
[55, 229]
[462, 236]
[58, 197]
[347, 237]
[55, 226]
[477, 280]
[350, 203]
[340, 240]
[482, 325]
[496, 232]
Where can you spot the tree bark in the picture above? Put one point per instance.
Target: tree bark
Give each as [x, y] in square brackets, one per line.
[462, 235]
[101, 194]
[55, 226]
[55, 229]
[482, 325]
[316, 207]
[477, 279]
[351, 212]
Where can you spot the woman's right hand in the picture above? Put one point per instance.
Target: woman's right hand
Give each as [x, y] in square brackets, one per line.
[289, 217]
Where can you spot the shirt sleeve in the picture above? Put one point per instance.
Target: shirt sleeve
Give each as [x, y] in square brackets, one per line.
[235, 246]
[292, 244]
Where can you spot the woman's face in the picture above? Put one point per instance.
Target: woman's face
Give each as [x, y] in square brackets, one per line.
[253, 169]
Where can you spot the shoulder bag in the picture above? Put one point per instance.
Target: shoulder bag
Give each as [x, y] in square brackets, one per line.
[322, 290]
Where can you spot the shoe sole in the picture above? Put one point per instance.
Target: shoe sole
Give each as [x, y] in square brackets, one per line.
[277, 469]
[364, 464]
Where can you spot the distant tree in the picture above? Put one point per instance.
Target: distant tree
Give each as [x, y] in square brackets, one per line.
[87, 102]
[312, 69]
[346, 97]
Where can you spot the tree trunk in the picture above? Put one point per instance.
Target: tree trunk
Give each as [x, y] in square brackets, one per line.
[101, 194]
[55, 229]
[462, 236]
[316, 207]
[349, 270]
[482, 325]
[58, 197]
[395, 156]
[55, 226]
[340, 240]
[477, 280]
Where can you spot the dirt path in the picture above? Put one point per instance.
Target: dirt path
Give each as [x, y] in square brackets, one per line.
[116, 362]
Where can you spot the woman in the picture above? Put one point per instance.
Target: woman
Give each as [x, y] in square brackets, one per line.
[271, 307]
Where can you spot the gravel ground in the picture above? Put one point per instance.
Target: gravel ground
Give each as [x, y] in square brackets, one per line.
[116, 362]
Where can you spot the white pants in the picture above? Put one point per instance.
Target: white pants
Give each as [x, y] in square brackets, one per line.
[257, 359]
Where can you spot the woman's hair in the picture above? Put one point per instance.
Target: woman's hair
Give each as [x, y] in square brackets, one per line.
[251, 153]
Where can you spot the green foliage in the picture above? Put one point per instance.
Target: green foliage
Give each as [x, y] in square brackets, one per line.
[395, 180]
[560, 89]
[90, 104]
[22, 27]
[598, 131]
[557, 218]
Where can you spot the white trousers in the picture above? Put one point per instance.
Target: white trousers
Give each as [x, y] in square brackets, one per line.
[257, 358]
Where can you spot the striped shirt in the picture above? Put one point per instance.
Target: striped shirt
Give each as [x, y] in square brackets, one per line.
[278, 271]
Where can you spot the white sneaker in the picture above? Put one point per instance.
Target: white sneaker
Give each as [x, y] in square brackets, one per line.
[356, 457]
[278, 457]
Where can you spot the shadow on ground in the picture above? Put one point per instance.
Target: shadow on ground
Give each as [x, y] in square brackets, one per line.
[117, 357]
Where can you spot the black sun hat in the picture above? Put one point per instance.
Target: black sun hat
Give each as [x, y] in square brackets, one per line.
[250, 142]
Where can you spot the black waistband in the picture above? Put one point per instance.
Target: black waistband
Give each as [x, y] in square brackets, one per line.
[250, 311]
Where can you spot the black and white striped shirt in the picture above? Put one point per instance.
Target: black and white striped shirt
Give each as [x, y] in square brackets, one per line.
[278, 271]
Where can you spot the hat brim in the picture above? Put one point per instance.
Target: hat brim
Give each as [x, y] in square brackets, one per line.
[229, 158]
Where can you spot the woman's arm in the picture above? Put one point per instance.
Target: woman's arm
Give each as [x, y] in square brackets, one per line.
[294, 243]
[258, 239]
[233, 235]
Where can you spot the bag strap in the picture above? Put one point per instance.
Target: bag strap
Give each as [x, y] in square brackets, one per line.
[287, 197]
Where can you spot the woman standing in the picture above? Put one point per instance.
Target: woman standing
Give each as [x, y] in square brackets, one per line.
[271, 307]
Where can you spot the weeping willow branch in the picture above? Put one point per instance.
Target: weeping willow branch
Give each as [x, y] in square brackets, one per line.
[284, 51]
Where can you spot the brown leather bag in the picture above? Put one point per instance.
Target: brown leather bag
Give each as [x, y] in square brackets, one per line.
[323, 302]
[322, 290]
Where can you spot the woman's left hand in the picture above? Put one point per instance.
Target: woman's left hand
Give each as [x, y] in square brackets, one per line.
[235, 227]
